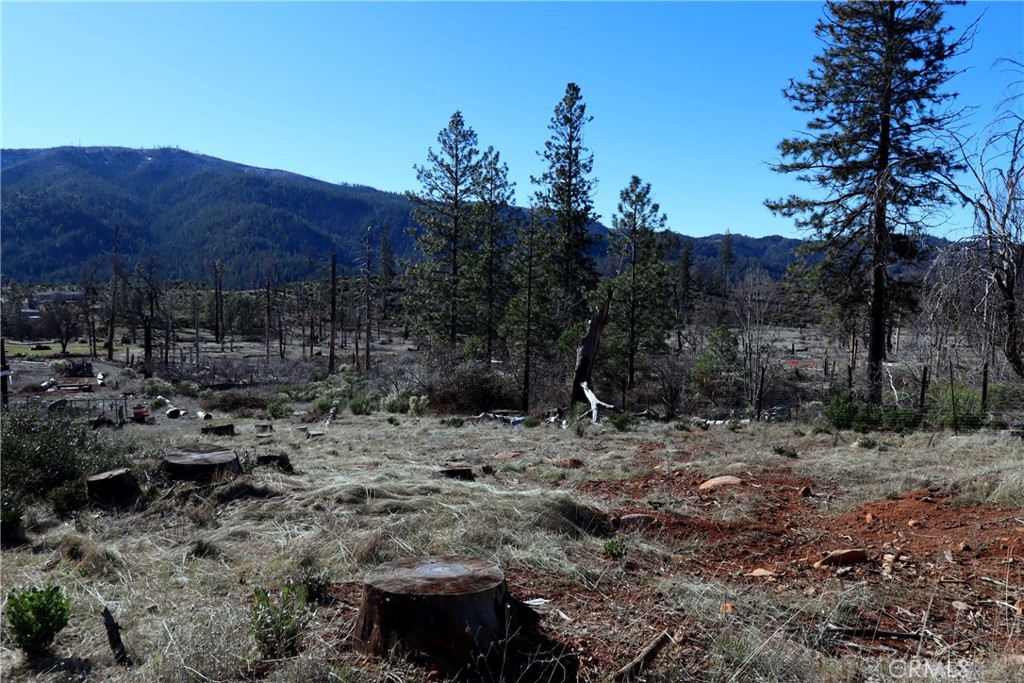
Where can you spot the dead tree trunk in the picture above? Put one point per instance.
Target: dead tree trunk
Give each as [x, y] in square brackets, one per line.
[447, 611]
[586, 352]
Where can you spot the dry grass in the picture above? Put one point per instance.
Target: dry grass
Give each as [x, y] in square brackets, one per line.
[179, 576]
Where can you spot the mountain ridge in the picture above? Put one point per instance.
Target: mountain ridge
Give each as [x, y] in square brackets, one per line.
[59, 207]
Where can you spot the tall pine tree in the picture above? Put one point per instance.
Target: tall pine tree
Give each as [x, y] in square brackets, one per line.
[445, 209]
[566, 196]
[877, 102]
[642, 287]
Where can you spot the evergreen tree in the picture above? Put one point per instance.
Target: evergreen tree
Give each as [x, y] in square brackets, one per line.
[444, 208]
[566, 195]
[726, 259]
[642, 287]
[877, 101]
[496, 233]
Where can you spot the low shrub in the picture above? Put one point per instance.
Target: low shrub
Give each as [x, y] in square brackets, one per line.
[240, 403]
[361, 405]
[417, 406]
[615, 549]
[36, 617]
[531, 422]
[156, 387]
[278, 622]
[966, 405]
[279, 408]
[395, 403]
[623, 421]
[158, 403]
[47, 457]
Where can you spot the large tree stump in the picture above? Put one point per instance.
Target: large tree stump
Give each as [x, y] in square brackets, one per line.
[116, 488]
[225, 429]
[201, 462]
[447, 611]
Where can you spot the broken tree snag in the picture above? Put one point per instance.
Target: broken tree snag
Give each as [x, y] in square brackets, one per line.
[586, 352]
[594, 402]
[114, 637]
[201, 462]
[445, 611]
[115, 488]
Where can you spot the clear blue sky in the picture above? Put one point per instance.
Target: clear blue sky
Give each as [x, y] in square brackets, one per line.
[687, 95]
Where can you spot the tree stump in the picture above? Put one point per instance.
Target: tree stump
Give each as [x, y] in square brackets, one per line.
[219, 429]
[281, 462]
[201, 462]
[116, 488]
[447, 611]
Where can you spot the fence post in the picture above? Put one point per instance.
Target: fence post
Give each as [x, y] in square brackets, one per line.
[924, 388]
[984, 389]
[952, 397]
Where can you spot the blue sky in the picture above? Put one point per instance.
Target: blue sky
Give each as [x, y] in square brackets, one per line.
[687, 95]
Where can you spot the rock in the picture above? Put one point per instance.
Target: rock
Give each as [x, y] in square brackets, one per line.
[761, 573]
[718, 482]
[843, 557]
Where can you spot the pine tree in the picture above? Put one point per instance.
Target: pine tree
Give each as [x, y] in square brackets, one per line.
[877, 104]
[642, 285]
[566, 195]
[444, 208]
[496, 230]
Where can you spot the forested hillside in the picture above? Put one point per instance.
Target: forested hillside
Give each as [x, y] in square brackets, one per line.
[60, 207]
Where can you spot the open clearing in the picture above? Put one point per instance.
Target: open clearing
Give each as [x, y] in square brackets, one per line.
[608, 532]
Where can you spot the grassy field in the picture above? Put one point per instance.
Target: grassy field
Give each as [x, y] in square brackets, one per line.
[609, 533]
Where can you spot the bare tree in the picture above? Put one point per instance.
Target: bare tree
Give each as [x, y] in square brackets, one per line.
[996, 169]
[757, 308]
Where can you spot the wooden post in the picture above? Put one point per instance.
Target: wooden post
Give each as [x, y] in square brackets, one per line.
[952, 397]
[984, 389]
[924, 388]
[334, 312]
[5, 371]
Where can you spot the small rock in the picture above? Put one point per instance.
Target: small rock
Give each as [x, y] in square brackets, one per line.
[960, 606]
[761, 573]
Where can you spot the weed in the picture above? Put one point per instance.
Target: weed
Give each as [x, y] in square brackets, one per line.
[455, 422]
[278, 622]
[392, 420]
[36, 617]
[615, 549]
[158, 403]
[531, 422]
[279, 408]
[681, 427]
[417, 405]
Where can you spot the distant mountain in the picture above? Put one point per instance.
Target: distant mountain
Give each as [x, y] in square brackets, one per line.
[59, 208]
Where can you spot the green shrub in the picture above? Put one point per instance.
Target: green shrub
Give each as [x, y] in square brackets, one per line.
[36, 617]
[12, 517]
[48, 457]
[967, 404]
[186, 389]
[392, 420]
[278, 622]
[236, 402]
[158, 403]
[453, 422]
[395, 403]
[623, 421]
[279, 408]
[313, 579]
[531, 422]
[156, 387]
[615, 549]
[841, 411]
[128, 373]
[361, 405]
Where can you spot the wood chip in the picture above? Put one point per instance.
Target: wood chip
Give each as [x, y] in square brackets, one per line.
[841, 557]
[718, 482]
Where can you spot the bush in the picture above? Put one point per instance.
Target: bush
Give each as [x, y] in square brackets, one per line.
[531, 422]
[12, 517]
[278, 623]
[471, 388]
[279, 408]
[841, 411]
[158, 403]
[623, 421]
[156, 387]
[615, 549]
[36, 617]
[47, 457]
[417, 405]
[453, 422]
[967, 404]
[361, 405]
[395, 403]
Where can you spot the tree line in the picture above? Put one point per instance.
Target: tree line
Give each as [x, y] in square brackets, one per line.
[509, 290]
